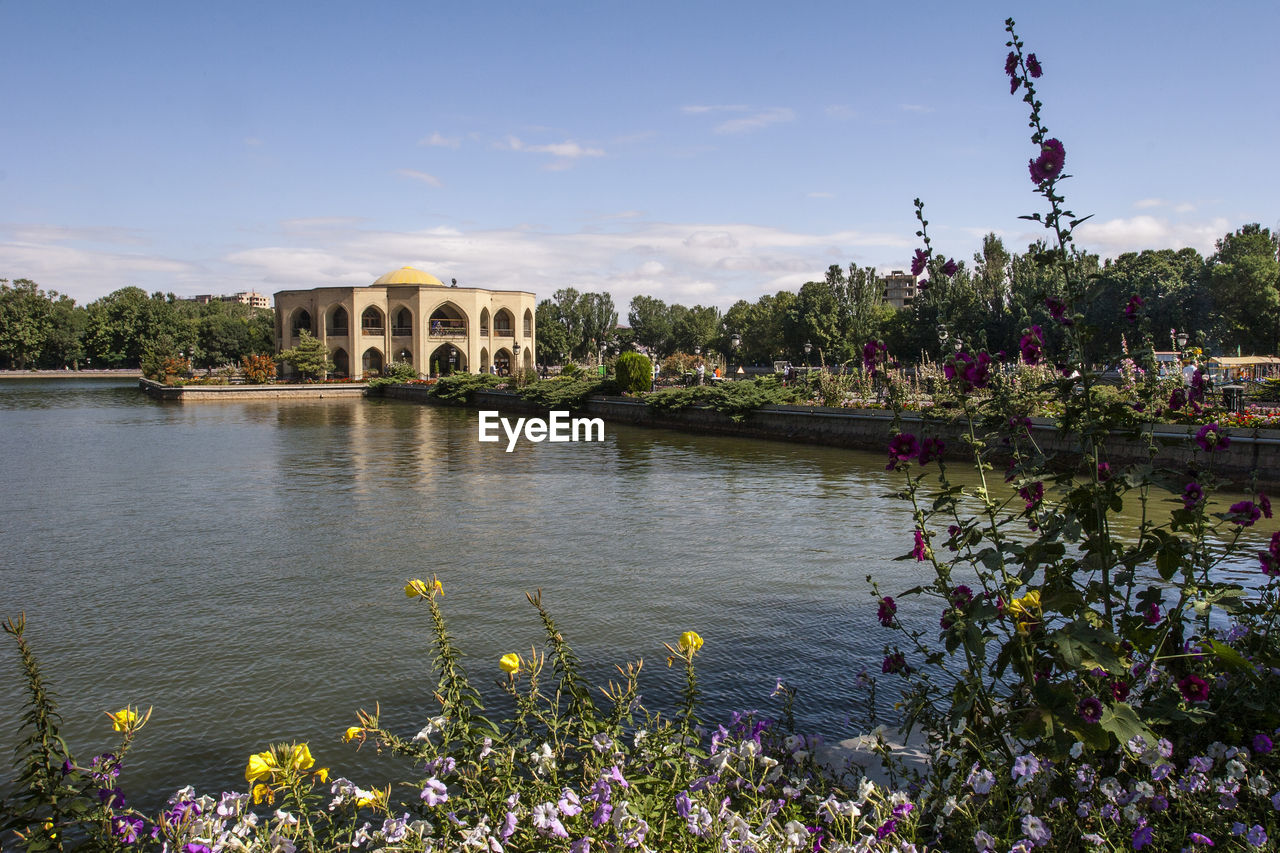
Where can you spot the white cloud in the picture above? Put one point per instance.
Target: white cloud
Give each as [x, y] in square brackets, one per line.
[1184, 207]
[819, 195]
[1149, 232]
[430, 180]
[441, 141]
[699, 109]
[840, 111]
[777, 115]
[569, 149]
[1147, 203]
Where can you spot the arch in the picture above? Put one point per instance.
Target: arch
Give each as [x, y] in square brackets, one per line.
[446, 359]
[371, 362]
[504, 324]
[403, 323]
[405, 356]
[447, 321]
[484, 359]
[526, 357]
[502, 361]
[300, 322]
[341, 363]
[484, 322]
[371, 321]
[528, 323]
[338, 322]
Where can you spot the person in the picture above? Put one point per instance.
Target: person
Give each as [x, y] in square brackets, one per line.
[702, 371]
[717, 372]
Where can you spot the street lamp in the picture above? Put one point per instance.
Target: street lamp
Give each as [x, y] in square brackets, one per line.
[735, 341]
[808, 348]
[1182, 340]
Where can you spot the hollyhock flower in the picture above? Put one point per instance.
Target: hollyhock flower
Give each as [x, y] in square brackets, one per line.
[921, 550]
[1058, 311]
[922, 285]
[1032, 345]
[1119, 690]
[1014, 83]
[961, 597]
[1192, 495]
[919, 262]
[1131, 309]
[1026, 612]
[1032, 494]
[1244, 513]
[933, 448]
[1104, 472]
[950, 267]
[1033, 65]
[1011, 64]
[1264, 503]
[896, 662]
[1211, 438]
[887, 610]
[1194, 688]
[903, 447]
[1090, 709]
[1152, 614]
[968, 371]
[1049, 164]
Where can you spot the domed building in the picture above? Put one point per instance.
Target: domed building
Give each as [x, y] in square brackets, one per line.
[411, 316]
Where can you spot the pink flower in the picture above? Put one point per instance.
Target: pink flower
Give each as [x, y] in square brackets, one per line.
[1244, 513]
[886, 611]
[933, 448]
[920, 551]
[950, 268]
[1194, 688]
[1031, 345]
[1211, 438]
[1032, 494]
[919, 261]
[1131, 309]
[1033, 65]
[1048, 165]
[903, 447]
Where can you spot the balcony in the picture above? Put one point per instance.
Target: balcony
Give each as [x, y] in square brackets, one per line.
[402, 331]
[373, 330]
[336, 331]
[504, 333]
[448, 328]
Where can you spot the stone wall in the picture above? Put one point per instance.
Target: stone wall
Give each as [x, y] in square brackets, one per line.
[204, 393]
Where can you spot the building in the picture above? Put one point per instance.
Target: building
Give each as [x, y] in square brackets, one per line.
[251, 298]
[899, 289]
[411, 316]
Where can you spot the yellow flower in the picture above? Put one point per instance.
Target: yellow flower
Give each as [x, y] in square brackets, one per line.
[301, 758]
[368, 798]
[421, 589]
[690, 641]
[262, 793]
[323, 774]
[351, 734]
[510, 663]
[262, 765]
[123, 719]
[1026, 611]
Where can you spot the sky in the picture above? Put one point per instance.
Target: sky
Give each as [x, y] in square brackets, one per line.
[700, 153]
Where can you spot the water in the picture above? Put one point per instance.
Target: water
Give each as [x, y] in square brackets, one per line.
[239, 566]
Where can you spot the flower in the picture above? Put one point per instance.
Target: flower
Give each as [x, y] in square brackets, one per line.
[1244, 513]
[919, 261]
[1032, 344]
[127, 828]
[262, 765]
[435, 792]
[1131, 308]
[1048, 165]
[123, 719]
[421, 589]
[1197, 838]
[1033, 65]
[1152, 615]
[300, 758]
[874, 353]
[896, 662]
[1192, 495]
[1142, 837]
[970, 371]
[690, 642]
[1211, 438]
[1270, 558]
[1032, 494]
[1090, 709]
[903, 447]
[1194, 688]
[351, 733]
[1026, 611]
[950, 268]
[1011, 64]
[1262, 744]
[1257, 836]
[921, 550]
[931, 449]
[1264, 503]
[887, 610]
[510, 663]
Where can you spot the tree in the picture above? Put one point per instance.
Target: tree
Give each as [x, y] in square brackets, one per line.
[25, 321]
[553, 337]
[650, 320]
[64, 347]
[598, 320]
[698, 326]
[310, 357]
[815, 319]
[1243, 279]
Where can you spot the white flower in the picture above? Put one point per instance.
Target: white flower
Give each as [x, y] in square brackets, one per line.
[435, 724]
[1077, 749]
[949, 806]
[285, 818]
[488, 748]
[602, 742]
[982, 842]
[865, 788]
[543, 760]
[795, 834]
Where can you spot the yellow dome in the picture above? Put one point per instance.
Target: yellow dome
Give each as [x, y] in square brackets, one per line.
[409, 275]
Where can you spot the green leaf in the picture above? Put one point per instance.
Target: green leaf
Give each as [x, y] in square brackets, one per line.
[1122, 721]
[1230, 658]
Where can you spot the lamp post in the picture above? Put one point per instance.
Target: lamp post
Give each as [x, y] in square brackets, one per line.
[808, 348]
[735, 341]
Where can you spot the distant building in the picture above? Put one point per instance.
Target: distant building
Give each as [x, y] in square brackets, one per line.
[251, 298]
[411, 316]
[899, 289]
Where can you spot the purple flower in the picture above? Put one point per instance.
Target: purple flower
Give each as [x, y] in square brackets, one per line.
[196, 847]
[1192, 495]
[1011, 64]
[1270, 558]
[950, 268]
[1048, 165]
[874, 353]
[1090, 709]
[961, 597]
[1261, 744]
[126, 828]
[1033, 65]
[1211, 438]
[1194, 688]
[1142, 837]
[920, 551]
[1244, 513]
[903, 447]
[1104, 472]
[885, 615]
[1197, 838]
[1032, 344]
[922, 285]
[1032, 494]
[1152, 614]
[1131, 309]
[933, 448]
[1264, 503]
[887, 828]
[1014, 83]
[1257, 836]
[896, 662]
[435, 792]
[1058, 310]
[919, 261]
[969, 371]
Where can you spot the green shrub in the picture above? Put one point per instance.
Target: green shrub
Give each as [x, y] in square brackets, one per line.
[634, 373]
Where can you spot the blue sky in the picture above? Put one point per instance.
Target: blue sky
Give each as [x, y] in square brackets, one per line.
[697, 152]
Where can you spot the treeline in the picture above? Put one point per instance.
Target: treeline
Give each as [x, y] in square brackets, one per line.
[1227, 301]
[46, 329]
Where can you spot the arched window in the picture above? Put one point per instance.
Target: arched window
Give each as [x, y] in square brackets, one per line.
[404, 322]
[504, 324]
[484, 323]
[528, 323]
[447, 321]
[338, 322]
[371, 321]
[301, 321]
